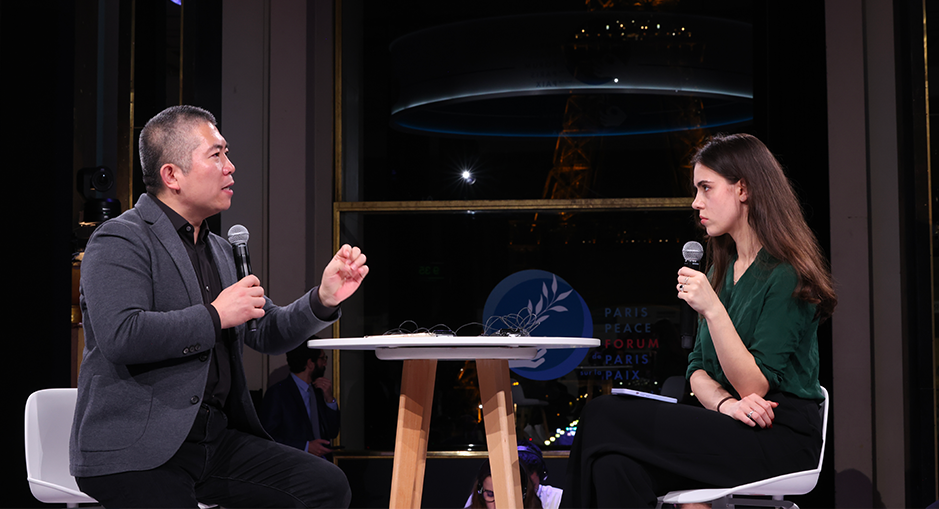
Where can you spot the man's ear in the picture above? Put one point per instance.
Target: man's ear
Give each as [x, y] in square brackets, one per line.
[169, 172]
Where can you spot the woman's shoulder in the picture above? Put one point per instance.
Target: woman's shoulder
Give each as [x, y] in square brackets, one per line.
[775, 277]
[774, 268]
[780, 282]
[550, 496]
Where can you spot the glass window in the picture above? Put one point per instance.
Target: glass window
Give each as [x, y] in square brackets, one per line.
[439, 271]
[486, 141]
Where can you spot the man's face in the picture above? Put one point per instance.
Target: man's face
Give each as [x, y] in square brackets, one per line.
[320, 365]
[205, 190]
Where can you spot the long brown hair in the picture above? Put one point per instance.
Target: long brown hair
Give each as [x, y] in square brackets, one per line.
[774, 214]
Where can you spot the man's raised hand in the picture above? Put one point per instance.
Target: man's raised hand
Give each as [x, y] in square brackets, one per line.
[342, 275]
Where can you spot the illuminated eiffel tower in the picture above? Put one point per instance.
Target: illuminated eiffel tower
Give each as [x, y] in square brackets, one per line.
[572, 174]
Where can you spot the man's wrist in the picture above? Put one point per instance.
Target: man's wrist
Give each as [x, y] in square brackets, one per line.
[320, 310]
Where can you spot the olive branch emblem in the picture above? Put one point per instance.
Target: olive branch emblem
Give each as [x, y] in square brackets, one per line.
[539, 312]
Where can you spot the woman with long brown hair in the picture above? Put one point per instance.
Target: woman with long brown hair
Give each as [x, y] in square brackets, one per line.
[754, 367]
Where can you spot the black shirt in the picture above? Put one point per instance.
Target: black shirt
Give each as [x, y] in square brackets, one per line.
[218, 384]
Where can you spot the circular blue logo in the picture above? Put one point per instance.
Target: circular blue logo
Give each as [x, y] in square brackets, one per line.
[544, 305]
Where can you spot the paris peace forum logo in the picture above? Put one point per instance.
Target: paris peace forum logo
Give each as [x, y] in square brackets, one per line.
[545, 306]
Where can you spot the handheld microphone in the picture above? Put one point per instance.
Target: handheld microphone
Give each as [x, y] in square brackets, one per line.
[238, 238]
[692, 252]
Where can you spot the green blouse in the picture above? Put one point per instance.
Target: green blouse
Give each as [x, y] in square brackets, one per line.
[778, 329]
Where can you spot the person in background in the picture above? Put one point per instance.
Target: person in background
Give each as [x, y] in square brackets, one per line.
[300, 411]
[754, 367]
[483, 497]
[531, 457]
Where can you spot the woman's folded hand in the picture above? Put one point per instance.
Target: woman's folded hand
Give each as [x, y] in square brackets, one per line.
[752, 410]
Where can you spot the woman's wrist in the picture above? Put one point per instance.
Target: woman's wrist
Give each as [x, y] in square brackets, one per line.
[721, 402]
[717, 317]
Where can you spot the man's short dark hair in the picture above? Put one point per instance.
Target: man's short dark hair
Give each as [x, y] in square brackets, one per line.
[296, 358]
[167, 138]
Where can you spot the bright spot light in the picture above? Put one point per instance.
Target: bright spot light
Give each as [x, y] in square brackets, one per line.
[468, 177]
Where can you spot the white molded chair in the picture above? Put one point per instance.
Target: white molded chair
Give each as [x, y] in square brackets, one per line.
[796, 483]
[48, 423]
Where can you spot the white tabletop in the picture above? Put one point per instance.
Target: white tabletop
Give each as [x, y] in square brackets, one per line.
[432, 346]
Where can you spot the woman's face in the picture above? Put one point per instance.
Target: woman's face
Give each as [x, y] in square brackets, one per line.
[488, 495]
[721, 205]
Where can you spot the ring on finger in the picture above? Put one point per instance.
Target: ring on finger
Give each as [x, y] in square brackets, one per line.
[686, 279]
[749, 415]
[681, 288]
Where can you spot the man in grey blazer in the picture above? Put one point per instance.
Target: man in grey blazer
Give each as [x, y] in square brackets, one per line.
[164, 417]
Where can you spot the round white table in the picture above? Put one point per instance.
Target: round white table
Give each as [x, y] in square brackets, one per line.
[420, 353]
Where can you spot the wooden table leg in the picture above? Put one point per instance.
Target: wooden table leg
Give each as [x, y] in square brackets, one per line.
[495, 390]
[414, 409]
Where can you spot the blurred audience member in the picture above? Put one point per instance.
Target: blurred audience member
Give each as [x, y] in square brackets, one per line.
[300, 411]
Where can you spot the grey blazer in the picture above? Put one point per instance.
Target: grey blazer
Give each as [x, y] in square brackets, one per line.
[148, 337]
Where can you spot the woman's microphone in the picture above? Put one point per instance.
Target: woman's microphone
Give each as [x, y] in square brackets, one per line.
[692, 252]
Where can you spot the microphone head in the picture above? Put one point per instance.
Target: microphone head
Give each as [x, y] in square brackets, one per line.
[692, 251]
[238, 235]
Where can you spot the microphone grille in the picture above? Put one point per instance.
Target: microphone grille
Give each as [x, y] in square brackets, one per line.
[692, 251]
[238, 235]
